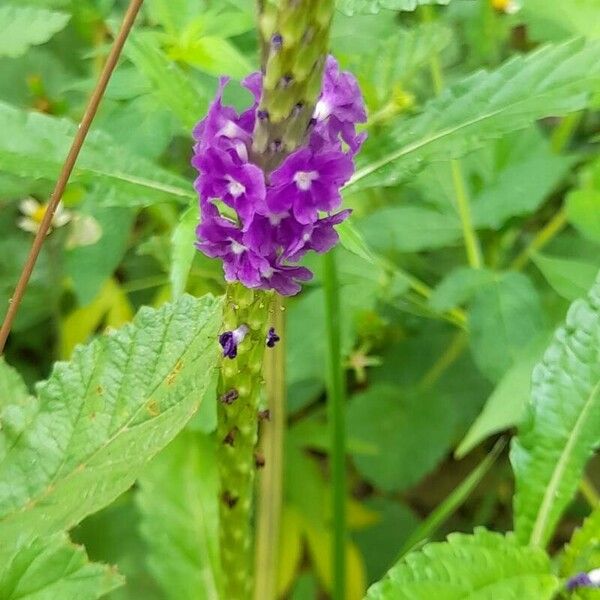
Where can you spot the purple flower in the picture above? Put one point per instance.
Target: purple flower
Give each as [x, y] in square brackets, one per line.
[590, 580]
[340, 107]
[239, 185]
[230, 340]
[272, 337]
[307, 182]
[278, 219]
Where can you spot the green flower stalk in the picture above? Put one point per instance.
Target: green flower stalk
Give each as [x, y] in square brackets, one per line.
[239, 396]
[279, 168]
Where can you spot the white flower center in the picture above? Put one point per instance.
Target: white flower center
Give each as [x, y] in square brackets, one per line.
[322, 110]
[235, 188]
[267, 272]
[230, 130]
[276, 218]
[237, 248]
[304, 179]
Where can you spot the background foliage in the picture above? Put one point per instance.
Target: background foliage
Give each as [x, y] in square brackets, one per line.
[476, 223]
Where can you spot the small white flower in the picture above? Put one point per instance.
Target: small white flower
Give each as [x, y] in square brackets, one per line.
[34, 212]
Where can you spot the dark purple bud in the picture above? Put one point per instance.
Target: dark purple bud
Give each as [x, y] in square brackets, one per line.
[230, 396]
[276, 41]
[272, 337]
[591, 580]
[229, 341]
[263, 115]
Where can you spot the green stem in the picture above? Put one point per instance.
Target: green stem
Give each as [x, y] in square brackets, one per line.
[237, 425]
[472, 246]
[271, 479]
[589, 492]
[335, 405]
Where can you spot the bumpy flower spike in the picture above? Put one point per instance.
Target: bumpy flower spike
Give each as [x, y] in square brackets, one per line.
[269, 187]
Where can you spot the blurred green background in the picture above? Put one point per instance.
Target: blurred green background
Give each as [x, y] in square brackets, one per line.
[438, 354]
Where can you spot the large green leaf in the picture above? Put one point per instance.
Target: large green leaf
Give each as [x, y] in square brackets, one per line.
[353, 7]
[505, 315]
[561, 429]
[571, 279]
[53, 568]
[178, 505]
[395, 422]
[583, 203]
[100, 417]
[553, 80]
[35, 145]
[25, 26]
[481, 566]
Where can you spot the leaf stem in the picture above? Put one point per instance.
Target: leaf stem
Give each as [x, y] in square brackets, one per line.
[472, 246]
[336, 417]
[271, 479]
[67, 168]
[543, 236]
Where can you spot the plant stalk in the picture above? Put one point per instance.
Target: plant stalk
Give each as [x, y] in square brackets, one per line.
[337, 425]
[463, 206]
[238, 401]
[67, 168]
[271, 479]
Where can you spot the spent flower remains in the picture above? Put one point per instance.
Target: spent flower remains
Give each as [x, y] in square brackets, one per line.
[274, 218]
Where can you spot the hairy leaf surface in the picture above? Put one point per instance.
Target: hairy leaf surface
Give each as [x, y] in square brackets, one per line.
[101, 416]
[35, 145]
[52, 569]
[481, 566]
[561, 428]
[553, 80]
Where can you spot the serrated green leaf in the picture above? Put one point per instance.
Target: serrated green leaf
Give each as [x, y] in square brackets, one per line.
[179, 518]
[52, 568]
[103, 415]
[175, 89]
[354, 7]
[582, 553]
[182, 249]
[410, 229]
[35, 145]
[26, 26]
[554, 80]
[569, 278]
[561, 428]
[482, 566]
[504, 316]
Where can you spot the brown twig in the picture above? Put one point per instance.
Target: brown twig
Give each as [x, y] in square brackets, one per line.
[65, 173]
